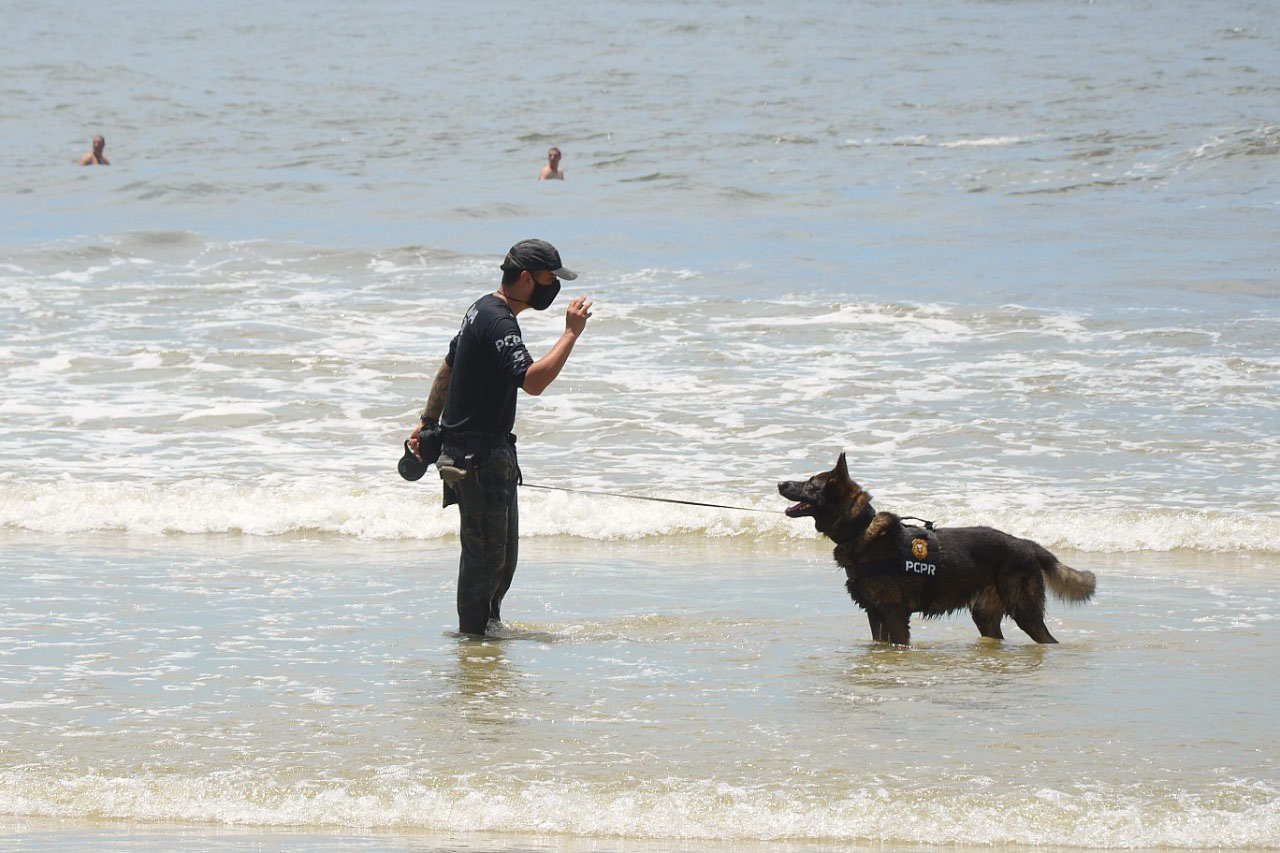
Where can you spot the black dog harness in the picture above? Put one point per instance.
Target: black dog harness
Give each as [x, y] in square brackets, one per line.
[917, 554]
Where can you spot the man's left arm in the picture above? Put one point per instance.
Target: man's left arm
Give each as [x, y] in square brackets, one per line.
[545, 370]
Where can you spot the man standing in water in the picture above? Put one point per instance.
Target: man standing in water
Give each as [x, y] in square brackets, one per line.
[551, 171]
[96, 157]
[471, 410]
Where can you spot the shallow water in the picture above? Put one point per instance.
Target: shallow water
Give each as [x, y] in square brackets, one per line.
[671, 691]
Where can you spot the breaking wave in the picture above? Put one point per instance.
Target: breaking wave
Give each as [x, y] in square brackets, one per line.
[414, 512]
[1234, 814]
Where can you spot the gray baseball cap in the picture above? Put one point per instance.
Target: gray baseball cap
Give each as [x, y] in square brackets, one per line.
[535, 255]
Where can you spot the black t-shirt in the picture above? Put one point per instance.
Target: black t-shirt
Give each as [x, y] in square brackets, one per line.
[488, 360]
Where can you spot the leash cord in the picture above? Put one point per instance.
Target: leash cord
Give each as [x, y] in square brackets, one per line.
[644, 498]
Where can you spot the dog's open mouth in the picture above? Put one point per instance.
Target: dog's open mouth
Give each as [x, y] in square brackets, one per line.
[800, 509]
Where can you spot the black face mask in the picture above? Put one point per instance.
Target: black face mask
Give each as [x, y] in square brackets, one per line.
[543, 295]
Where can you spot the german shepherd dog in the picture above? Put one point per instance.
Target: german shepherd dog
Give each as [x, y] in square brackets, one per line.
[895, 570]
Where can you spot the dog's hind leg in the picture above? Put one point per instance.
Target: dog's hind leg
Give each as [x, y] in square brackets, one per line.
[1024, 594]
[1033, 624]
[988, 624]
[988, 610]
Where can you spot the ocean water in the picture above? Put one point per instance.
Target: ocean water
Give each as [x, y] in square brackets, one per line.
[1017, 259]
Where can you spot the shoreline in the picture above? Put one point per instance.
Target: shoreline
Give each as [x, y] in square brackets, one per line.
[57, 834]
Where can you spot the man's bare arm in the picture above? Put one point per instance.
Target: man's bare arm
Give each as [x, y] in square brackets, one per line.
[544, 371]
[439, 393]
[435, 404]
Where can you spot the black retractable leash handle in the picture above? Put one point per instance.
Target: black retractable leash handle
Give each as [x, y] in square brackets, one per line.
[410, 466]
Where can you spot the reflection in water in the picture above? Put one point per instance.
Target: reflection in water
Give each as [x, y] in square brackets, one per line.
[486, 682]
[893, 664]
[983, 673]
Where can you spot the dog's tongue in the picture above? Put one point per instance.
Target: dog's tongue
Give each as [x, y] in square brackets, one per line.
[796, 510]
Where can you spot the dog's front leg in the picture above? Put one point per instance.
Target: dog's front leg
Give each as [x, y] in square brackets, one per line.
[878, 630]
[897, 625]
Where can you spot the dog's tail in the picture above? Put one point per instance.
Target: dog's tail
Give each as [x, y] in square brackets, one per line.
[1067, 583]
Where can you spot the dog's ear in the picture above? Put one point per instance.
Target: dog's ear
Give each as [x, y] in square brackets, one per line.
[841, 471]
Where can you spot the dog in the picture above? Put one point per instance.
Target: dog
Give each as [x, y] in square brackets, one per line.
[895, 570]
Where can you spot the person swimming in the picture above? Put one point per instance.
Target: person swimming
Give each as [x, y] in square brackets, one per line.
[552, 171]
[96, 157]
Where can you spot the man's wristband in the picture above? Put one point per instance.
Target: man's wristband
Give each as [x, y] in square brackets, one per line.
[429, 423]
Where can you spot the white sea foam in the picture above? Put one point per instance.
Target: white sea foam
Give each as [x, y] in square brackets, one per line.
[650, 275]
[1091, 816]
[231, 412]
[985, 142]
[386, 511]
[288, 397]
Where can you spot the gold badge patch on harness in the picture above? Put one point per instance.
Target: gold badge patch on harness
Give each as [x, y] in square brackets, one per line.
[919, 548]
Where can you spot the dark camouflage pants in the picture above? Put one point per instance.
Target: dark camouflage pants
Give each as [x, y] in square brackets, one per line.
[490, 530]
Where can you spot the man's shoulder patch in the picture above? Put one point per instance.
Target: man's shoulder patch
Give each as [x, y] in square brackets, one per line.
[505, 342]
